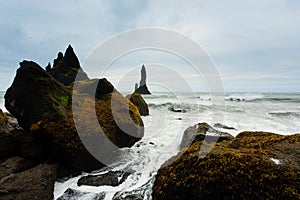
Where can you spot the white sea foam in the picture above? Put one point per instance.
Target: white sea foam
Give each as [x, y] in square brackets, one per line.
[278, 113]
[164, 129]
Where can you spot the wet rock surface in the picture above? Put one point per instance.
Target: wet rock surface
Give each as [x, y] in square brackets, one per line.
[71, 194]
[112, 178]
[203, 131]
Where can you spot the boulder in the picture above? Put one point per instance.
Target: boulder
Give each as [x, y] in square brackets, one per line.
[178, 110]
[219, 125]
[254, 165]
[112, 178]
[203, 131]
[71, 194]
[34, 94]
[43, 108]
[139, 102]
[35, 183]
[129, 197]
[67, 67]
[15, 165]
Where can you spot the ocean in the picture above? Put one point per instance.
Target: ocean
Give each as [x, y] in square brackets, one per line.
[170, 115]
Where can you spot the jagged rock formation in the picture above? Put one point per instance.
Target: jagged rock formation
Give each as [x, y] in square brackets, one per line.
[254, 165]
[142, 89]
[42, 106]
[66, 68]
[42, 144]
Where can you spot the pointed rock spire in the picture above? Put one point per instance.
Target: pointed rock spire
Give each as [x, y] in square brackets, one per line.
[67, 67]
[142, 89]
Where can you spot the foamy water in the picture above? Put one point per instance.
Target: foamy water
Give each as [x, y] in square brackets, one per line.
[273, 112]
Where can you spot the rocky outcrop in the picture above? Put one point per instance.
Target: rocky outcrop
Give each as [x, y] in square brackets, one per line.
[10, 125]
[142, 89]
[67, 67]
[130, 197]
[35, 183]
[203, 131]
[33, 94]
[112, 178]
[254, 165]
[42, 106]
[222, 126]
[71, 194]
[139, 102]
[15, 165]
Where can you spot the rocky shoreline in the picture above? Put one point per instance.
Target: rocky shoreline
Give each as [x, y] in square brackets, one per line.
[253, 165]
[40, 144]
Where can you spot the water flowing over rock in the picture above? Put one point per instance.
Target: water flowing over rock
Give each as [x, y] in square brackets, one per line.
[254, 165]
[71, 194]
[66, 68]
[203, 131]
[142, 89]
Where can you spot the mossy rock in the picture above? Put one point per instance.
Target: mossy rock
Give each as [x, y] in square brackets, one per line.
[43, 107]
[34, 94]
[139, 102]
[232, 171]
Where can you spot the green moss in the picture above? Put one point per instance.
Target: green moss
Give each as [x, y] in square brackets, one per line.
[240, 169]
[62, 99]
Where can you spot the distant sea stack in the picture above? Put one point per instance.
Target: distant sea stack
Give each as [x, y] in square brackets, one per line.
[142, 89]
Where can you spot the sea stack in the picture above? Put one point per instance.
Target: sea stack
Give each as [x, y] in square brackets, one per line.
[142, 89]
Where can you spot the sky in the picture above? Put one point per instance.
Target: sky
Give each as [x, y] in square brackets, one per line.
[254, 45]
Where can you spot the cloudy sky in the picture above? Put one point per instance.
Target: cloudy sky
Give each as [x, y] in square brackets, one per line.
[255, 45]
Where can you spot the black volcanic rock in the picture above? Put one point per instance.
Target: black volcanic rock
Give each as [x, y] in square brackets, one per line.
[142, 89]
[71, 194]
[35, 93]
[67, 67]
[35, 183]
[111, 178]
[43, 108]
[203, 131]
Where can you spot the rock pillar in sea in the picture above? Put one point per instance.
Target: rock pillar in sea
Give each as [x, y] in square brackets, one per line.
[143, 76]
[142, 89]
